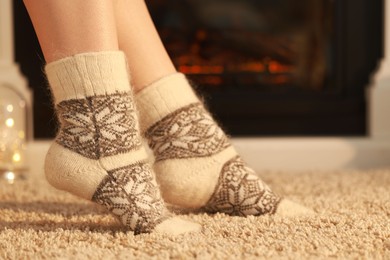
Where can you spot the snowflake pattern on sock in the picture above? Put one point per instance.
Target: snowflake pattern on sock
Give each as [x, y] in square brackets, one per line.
[101, 126]
[240, 193]
[98, 126]
[132, 194]
[189, 132]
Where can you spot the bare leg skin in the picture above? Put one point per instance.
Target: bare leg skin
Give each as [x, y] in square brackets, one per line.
[69, 27]
[138, 38]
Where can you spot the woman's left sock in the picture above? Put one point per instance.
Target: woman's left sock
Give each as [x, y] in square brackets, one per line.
[195, 164]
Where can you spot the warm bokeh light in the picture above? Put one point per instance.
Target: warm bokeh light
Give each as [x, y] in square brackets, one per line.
[9, 122]
[16, 157]
[10, 177]
[10, 108]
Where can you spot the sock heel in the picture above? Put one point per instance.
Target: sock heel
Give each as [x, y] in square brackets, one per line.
[68, 171]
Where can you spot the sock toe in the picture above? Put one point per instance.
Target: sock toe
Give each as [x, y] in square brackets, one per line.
[288, 208]
[176, 226]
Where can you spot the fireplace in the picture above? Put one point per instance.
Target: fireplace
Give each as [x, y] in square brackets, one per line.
[246, 44]
[266, 68]
[280, 67]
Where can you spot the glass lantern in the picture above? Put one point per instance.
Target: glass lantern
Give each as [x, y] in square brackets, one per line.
[13, 132]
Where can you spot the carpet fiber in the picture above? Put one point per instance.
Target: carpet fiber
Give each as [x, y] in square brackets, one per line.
[353, 221]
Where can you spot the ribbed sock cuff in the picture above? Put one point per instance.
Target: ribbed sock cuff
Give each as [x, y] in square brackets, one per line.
[162, 98]
[88, 74]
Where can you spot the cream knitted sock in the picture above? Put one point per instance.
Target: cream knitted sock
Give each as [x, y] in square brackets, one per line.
[195, 164]
[98, 154]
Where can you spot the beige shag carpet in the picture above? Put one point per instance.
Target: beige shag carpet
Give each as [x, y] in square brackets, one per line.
[353, 222]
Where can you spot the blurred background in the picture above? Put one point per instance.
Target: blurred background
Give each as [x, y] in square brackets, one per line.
[265, 68]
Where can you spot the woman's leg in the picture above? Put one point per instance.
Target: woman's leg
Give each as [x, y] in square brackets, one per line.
[195, 163]
[98, 153]
[66, 28]
[138, 38]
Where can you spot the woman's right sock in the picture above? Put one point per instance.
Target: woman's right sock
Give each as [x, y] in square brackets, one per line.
[98, 154]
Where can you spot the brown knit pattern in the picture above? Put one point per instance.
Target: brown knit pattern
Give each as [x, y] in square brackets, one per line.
[188, 132]
[101, 126]
[98, 126]
[240, 192]
[132, 194]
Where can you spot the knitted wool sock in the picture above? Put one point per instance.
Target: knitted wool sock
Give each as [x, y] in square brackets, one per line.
[195, 164]
[98, 154]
